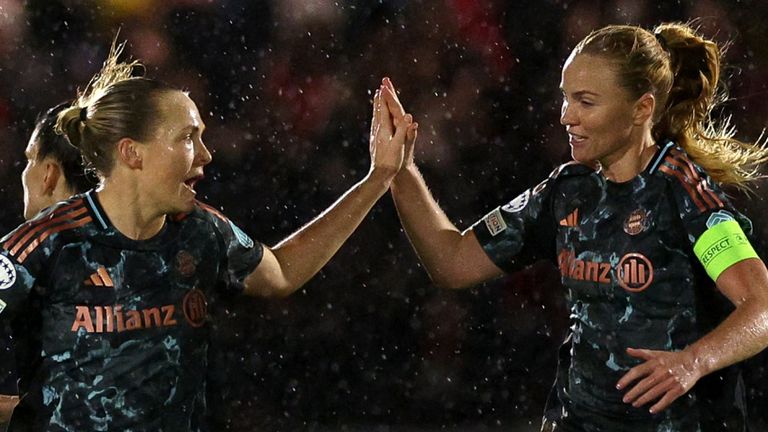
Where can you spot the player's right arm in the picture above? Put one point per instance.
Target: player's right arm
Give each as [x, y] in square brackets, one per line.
[506, 239]
[7, 404]
[453, 259]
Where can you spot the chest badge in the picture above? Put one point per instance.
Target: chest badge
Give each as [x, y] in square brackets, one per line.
[185, 263]
[637, 222]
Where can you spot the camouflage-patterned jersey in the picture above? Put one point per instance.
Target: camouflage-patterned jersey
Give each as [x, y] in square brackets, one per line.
[625, 253]
[112, 332]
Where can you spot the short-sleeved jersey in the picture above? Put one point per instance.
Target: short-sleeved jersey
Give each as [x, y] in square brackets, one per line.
[113, 332]
[625, 253]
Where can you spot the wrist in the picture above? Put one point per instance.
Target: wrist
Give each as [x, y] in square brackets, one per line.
[407, 172]
[696, 362]
[380, 175]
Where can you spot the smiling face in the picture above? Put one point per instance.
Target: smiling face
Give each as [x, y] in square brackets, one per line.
[174, 158]
[597, 113]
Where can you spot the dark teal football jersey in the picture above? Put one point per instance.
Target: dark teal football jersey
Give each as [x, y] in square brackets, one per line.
[112, 333]
[625, 254]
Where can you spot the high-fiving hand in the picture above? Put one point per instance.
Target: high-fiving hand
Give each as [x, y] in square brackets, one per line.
[398, 115]
[387, 137]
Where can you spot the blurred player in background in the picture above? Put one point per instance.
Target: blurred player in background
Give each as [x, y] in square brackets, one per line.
[54, 172]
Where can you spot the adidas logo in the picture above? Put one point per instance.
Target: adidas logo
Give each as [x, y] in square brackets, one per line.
[100, 278]
[572, 220]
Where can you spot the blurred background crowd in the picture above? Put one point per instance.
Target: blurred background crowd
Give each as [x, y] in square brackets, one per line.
[285, 88]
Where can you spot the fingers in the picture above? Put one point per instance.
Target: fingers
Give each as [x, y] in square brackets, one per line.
[392, 101]
[663, 378]
[640, 353]
[385, 115]
[643, 386]
[638, 371]
[635, 373]
[375, 112]
[656, 392]
[410, 141]
[402, 130]
[666, 401]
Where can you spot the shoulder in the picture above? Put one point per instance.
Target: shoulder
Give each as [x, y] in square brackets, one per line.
[690, 182]
[215, 219]
[570, 175]
[204, 214]
[46, 228]
[571, 169]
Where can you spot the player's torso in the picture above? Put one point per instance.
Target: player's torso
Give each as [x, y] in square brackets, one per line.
[124, 330]
[624, 261]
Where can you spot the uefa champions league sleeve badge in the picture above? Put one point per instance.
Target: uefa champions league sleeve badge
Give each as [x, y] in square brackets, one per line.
[7, 273]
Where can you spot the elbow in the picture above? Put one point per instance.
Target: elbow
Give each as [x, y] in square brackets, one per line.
[269, 289]
[277, 292]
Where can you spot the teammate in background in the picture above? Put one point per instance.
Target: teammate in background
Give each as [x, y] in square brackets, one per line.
[54, 172]
[640, 229]
[115, 284]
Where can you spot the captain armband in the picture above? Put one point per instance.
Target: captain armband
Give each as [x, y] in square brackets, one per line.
[721, 246]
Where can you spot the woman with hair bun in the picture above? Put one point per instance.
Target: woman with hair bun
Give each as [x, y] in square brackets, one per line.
[114, 285]
[665, 291]
[54, 172]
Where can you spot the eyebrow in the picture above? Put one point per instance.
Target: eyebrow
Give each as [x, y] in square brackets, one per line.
[193, 128]
[581, 93]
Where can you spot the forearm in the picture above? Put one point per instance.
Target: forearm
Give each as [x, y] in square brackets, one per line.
[305, 252]
[743, 334]
[434, 237]
[7, 404]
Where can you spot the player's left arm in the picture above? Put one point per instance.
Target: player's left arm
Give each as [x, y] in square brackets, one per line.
[285, 267]
[665, 376]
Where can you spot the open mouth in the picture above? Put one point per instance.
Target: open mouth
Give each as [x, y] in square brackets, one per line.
[576, 139]
[192, 181]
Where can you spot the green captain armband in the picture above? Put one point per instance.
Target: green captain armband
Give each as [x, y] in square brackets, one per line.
[721, 246]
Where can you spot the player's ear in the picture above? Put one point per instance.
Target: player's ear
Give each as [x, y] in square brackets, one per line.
[643, 110]
[51, 177]
[129, 153]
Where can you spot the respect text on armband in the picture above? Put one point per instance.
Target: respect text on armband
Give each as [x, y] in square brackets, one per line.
[721, 245]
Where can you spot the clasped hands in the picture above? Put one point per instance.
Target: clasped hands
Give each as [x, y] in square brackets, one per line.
[393, 133]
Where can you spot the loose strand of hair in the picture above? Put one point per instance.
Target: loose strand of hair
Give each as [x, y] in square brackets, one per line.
[111, 72]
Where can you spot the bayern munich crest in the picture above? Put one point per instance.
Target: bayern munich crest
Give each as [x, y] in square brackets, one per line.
[7, 273]
[637, 222]
[185, 263]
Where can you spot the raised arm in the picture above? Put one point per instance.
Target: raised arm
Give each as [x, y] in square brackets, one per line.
[7, 404]
[453, 259]
[292, 262]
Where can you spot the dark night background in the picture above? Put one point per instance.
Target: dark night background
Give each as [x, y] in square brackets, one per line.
[285, 89]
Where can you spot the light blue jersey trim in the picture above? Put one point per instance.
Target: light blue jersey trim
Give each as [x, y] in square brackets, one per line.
[95, 210]
[669, 144]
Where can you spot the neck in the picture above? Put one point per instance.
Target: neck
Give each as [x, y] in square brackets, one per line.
[629, 161]
[128, 210]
